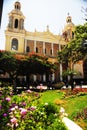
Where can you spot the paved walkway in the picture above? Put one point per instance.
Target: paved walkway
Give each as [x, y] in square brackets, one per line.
[70, 124]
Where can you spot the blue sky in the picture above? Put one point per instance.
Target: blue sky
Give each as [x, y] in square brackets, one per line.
[40, 13]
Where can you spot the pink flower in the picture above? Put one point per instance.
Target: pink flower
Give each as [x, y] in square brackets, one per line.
[24, 103]
[8, 99]
[4, 114]
[29, 91]
[13, 120]
[33, 108]
[23, 111]
[40, 87]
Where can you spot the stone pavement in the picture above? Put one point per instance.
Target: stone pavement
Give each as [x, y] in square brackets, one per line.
[70, 124]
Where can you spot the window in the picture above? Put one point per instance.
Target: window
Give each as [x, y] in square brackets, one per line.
[45, 50]
[36, 50]
[17, 7]
[14, 44]
[16, 23]
[27, 49]
[51, 51]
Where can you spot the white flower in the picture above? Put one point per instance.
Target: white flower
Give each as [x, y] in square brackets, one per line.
[16, 107]
[62, 110]
[12, 109]
[46, 104]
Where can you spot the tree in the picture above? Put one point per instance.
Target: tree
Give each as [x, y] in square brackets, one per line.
[20, 65]
[81, 39]
[39, 64]
[11, 63]
[8, 64]
[68, 55]
[75, 50]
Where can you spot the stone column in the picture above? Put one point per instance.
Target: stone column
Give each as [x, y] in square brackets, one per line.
[53, 77]
[44, 77]
[43, 47]
[61, 72]
[34, 46]
[35, 77]
[52, 47]
[25, 45]
[60, 66]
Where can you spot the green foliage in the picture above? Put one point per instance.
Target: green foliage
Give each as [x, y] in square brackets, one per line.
[57, 125]
[25, 112]
[58, 85]
[16, 65]
[82, 94]
[40, 64]
[50, 109]
[75, 50]
[5, 101]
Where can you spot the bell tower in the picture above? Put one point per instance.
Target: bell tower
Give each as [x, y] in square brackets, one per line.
[15, 31]
[68, 31]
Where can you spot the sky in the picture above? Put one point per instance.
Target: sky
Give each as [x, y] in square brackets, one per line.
[40, 13]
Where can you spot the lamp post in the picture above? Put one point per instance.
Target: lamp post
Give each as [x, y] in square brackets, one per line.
[84, 44]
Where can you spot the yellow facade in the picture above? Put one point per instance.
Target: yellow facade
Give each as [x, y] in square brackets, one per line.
[17, 36]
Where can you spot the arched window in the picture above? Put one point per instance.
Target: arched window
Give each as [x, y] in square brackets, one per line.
[16, 23]
[27, 49]
[36, 50]
[14, 45]
[17, 7]
[51, 51]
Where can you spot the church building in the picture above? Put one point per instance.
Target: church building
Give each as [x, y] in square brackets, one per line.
[21, 41]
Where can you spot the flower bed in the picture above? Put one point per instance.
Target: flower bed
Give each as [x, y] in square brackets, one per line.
[25, 112]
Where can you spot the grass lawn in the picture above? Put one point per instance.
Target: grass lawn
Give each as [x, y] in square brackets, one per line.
[72, 104]
[51, 96]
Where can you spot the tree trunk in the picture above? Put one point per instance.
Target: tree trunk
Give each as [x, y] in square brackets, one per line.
[71, 76]
[28, 81]
[71, 82]
[14, 86]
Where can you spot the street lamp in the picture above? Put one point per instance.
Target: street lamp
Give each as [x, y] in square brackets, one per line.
[84, 43]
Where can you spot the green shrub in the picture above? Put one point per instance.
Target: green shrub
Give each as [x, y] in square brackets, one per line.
[25, 112]
[57, 125]
[58, 85]
[82, 93]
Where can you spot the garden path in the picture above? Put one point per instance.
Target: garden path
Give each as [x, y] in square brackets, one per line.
[70, 124]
